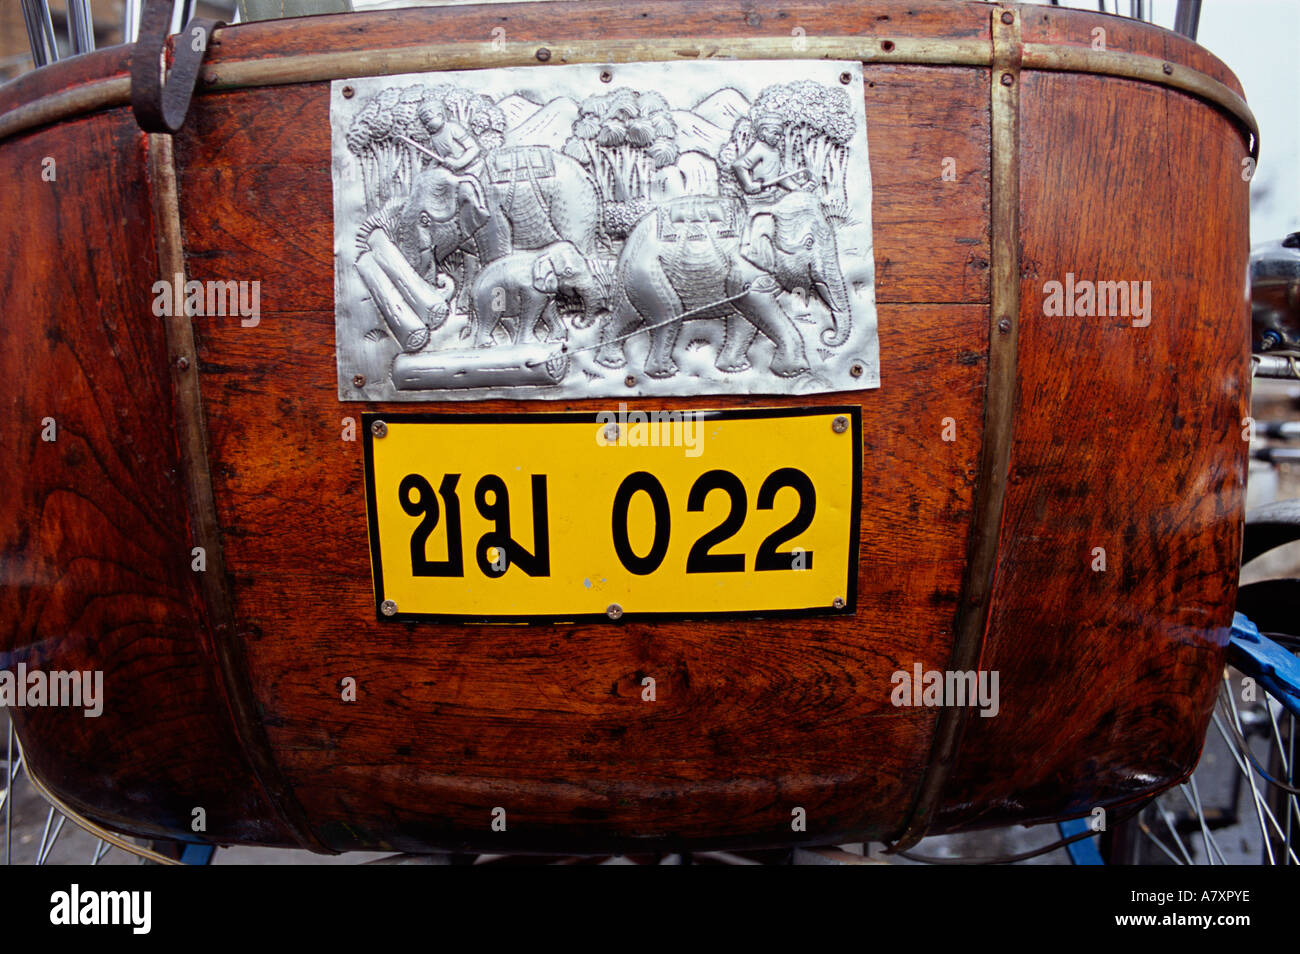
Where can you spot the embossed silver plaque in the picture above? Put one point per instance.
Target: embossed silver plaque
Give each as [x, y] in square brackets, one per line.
[586, 231]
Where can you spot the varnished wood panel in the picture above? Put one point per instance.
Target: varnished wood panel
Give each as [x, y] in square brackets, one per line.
[752, 719]
[1126, 438]
[1121, 441]
[94, 532]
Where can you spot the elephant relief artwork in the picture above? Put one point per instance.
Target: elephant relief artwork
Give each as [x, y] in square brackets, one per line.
[575, 231]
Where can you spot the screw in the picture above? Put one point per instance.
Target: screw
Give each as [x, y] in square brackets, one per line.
[543, 54]
[388, 608]
[1008, 17]
[611, 433]
[182, 363]
[857, 370]
[379, 429]
[348, 92]
[1168, 68]
[630, 381]
[840, 424]
[606, 76]
[838, 602]
[846, 78]
[1007, 79]
[614, 611]
[358, 380]
[1004, 325]
[887, 46]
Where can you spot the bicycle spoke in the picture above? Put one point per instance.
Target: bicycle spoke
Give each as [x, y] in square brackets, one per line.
[1169, 823]
[101, 849]
[11, 772]
[1200, 809]
[1142, 827]
[1195, 806]
[1261, 807]
[1226, 691]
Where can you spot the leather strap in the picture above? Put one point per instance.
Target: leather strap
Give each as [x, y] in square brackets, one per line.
[161, 107]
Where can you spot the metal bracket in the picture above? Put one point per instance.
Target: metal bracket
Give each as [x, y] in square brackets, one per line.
[161, 106]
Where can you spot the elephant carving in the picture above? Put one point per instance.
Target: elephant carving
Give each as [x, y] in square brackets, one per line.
[524, 197]
[523, 288]
[702, 258]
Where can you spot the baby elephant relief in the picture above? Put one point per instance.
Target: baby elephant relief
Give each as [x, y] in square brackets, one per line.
[573, 231]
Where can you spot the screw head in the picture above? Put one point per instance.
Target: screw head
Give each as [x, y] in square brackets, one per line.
[1007, 79]
[840, 424]
[857, 370]
[379, 429]
[1004, 325]
[630, 381]
[1008, 17]
[887, 46]
[348, 92]
[614, 611]
[358, 380]
[543, 54]
[611, 433]
[846, 78]
[388, 608]
[1168, 68]
[182, 363]
[838, 602]
[606, 76]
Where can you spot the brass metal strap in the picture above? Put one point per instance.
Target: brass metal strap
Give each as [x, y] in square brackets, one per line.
[348, 64]
[999, 410]
[192, 439]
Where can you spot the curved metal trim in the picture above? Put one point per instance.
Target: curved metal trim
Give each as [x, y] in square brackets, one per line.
[347, 64]
[192, 440]
[1144, 69]
[84, 823]
[972, 615]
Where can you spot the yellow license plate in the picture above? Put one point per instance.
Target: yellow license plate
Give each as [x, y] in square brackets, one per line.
[570, 516]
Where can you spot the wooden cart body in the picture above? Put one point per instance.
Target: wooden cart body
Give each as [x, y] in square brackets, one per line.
[1007, 150]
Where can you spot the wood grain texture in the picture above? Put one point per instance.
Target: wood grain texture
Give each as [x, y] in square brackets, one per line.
[753, 718]
[1126, 438]
[95, 532]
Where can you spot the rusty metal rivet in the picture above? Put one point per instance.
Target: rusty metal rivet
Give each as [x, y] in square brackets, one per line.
[1004, 325]
[606, 76]
[348, 92]
[379, 429]
[182, 363]
[840, 424]
[887, 46]
[630, 381]
[543, 54]
[358, 380]
[846, 78]
[388, 608]
[1008, 17]
[1007, 79]
[838, 602]
[614, 611]
[857, 370]
[1168, 68]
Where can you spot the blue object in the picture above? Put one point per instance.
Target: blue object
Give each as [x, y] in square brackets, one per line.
[1084, 851]
[1269, 664]
[197, 854]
